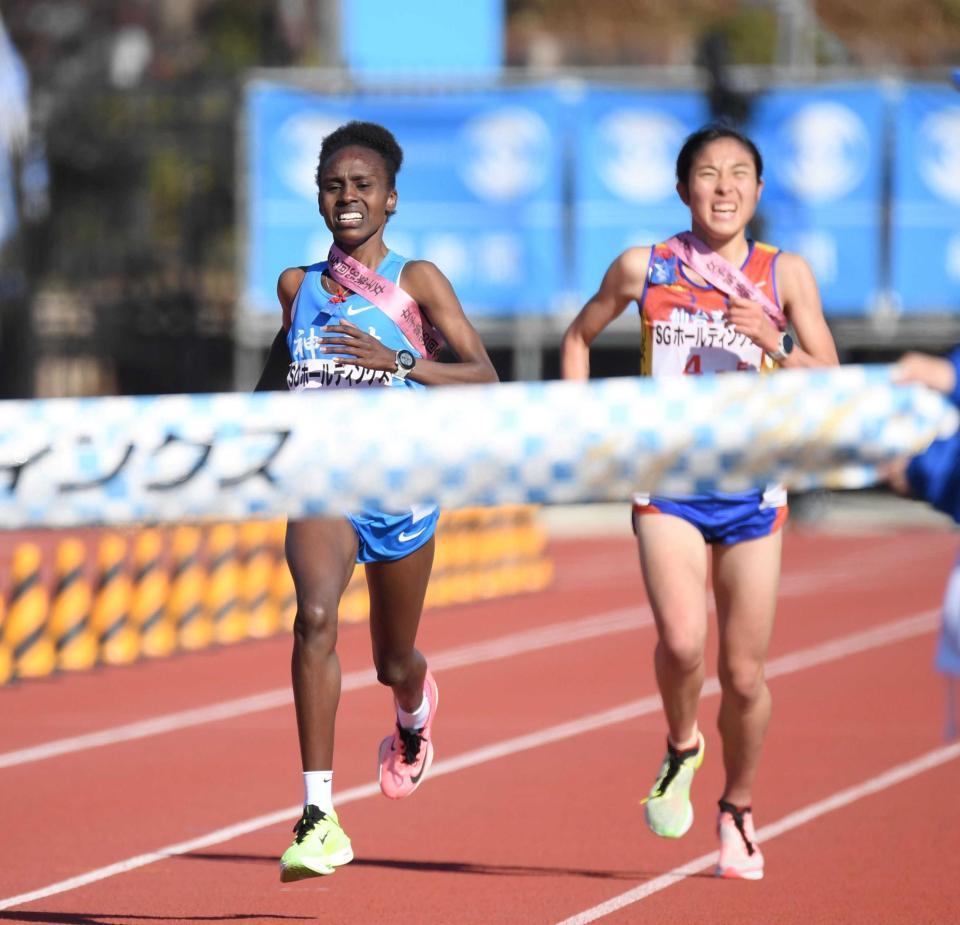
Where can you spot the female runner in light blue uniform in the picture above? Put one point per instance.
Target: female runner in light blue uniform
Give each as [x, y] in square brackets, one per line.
[381, 536]
[333, 338]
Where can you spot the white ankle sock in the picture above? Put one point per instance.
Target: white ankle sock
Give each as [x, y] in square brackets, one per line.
[318, 789]
[417, 719]
[691, 743]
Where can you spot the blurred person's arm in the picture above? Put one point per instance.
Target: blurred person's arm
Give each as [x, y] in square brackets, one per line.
[922, 476]
[938, 373]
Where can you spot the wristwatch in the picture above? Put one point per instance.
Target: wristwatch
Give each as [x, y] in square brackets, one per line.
[405, 363]
[784, 348]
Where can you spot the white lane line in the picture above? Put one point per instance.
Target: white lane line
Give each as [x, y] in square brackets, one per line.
[794, 820]
[796, 661]
[609, 622]
[556, 634]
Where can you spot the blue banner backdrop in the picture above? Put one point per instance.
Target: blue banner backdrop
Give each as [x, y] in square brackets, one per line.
[625, 152]
[823, 155]
[422, 37]
[483, 192]
[480, 192]
[925, 215]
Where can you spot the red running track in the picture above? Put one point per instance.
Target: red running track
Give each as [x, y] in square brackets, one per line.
[165, 792]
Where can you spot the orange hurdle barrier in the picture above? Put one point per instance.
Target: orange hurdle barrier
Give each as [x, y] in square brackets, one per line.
[118, 640]
[26, 625]
[70, 614]
[151, 589]
[195, 586]
[185, 604]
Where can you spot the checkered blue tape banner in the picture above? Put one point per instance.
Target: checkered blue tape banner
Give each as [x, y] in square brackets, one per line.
[72, 462]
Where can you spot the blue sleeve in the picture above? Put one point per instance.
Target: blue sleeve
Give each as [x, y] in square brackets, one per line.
[954, 358]
[934, 476]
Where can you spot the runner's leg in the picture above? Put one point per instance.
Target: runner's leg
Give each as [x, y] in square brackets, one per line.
[746, 579]
[321, 555]
[397, 591]
[674, 563]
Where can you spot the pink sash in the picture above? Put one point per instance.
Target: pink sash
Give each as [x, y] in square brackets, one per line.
[389, 298]
[723, 275]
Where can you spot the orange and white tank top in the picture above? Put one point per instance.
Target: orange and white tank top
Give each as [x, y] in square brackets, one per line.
[683, 334]
[682, 329]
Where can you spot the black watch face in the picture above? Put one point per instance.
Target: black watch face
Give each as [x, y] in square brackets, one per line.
[787, 343]
[405, 359]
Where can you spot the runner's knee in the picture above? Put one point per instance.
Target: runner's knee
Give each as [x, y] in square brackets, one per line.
[743, 680]
[316, 623]
[682, 651]
[392, 670]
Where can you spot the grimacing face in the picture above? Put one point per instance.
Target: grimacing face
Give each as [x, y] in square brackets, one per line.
[722, 189]
[355, 196]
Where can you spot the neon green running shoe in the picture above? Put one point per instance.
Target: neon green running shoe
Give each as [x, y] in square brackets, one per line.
[320, 846]
[667, 807]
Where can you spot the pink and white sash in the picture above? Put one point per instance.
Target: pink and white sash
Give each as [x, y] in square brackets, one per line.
[398, 305]
[722, 274]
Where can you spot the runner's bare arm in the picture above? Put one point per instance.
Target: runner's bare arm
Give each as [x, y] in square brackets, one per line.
[273, 378]
[622, 284]
[431, 290]
[287, 288]
[800, 299]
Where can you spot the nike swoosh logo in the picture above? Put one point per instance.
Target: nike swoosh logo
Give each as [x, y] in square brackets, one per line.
[358, 311]
[416, 778]
[405, 537]
[325, 837]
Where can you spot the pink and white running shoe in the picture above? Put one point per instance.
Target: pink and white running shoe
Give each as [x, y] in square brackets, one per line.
[406, 754]
[740, 855]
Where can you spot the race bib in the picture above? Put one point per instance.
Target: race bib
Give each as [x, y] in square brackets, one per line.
[694, 348]
[334, 374]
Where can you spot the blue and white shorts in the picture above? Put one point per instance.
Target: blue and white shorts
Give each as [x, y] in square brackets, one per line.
[383, 537]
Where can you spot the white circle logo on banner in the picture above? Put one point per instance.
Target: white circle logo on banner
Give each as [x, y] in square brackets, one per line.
[953, 257]
[505, 153]
[826, 150]
[638, 154]
[296, 150]
[938, 151]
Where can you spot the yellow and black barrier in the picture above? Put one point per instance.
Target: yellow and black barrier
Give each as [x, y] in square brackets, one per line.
[69, 622]
[119, 596]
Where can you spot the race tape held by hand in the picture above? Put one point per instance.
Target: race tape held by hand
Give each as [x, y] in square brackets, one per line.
[71, 462]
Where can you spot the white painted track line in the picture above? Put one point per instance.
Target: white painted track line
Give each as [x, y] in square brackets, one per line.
[830, 651]
[565, 632]
[794, 820]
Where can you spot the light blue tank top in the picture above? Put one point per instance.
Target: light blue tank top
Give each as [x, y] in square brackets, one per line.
[314, 308]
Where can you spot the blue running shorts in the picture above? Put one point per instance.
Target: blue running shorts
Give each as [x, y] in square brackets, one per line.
[385, 537]
[722, 519]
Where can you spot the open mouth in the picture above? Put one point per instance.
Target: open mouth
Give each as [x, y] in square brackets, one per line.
[349, 218]
[724, 209]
